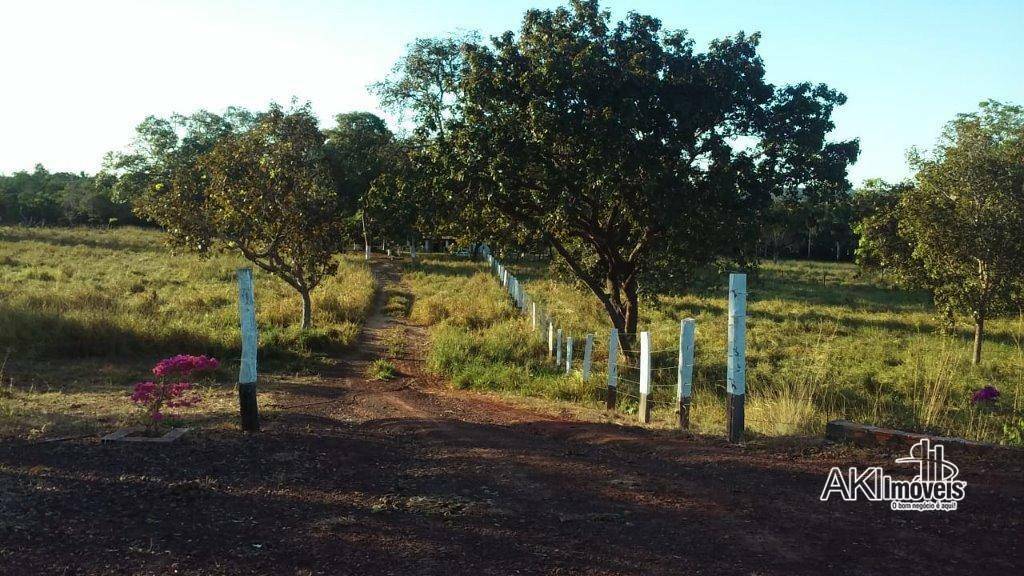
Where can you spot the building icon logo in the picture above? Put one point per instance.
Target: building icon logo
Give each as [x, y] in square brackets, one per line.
[935, 487]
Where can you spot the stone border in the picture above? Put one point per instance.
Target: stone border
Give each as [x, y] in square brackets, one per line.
[125, 435]
[867, 435]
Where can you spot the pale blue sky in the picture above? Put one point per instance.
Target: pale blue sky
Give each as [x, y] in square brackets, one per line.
[80, 75]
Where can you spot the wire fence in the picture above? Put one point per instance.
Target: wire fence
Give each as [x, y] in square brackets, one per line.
[623, 366]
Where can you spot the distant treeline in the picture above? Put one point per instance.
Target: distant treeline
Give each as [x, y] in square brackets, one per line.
[41, 197]
[62, 198]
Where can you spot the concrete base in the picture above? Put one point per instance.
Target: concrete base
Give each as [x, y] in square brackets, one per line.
[644, 411]
[734, 416]
[867, 435]
[611, 398]
[684, 414]
[125, 435]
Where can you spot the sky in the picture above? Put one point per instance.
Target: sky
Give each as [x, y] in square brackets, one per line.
[77, 77]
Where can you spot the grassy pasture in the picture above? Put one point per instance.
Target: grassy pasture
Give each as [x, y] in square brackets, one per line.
[86, 312]
[824, 341]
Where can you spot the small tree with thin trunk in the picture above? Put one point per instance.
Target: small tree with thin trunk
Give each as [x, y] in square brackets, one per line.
[264, 189]
[960, 228]
[965, 217]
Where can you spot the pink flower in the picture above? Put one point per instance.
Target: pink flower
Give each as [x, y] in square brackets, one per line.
[986, 394]
[184, 364]
[169, 390]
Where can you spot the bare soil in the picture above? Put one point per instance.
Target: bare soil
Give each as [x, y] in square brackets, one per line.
[410, 477]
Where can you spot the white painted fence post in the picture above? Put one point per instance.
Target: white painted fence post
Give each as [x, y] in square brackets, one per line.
[588, 353]
[684, 379]
[736, 380]
[248, 407]
[551, 338]
[645, 378]
[613, 368]
[533, 315]
[568, 355]
[558, 347]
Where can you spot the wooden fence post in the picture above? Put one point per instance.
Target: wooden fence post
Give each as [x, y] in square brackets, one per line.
[248, 407]
[533, 315]
[736, 380]
[613, 368]
[645, 378]
[568, 355]
[558, 347]
[588, 353]
[684, 380]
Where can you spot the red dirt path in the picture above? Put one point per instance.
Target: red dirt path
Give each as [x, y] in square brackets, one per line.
[408, 477]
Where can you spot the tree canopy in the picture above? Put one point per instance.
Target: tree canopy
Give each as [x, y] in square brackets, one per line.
[259, 183]
[632, 155]
[958, 229]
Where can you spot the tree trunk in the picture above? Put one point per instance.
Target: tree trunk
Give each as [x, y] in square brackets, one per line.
[307, 310]
[366, 239]
[979, 334]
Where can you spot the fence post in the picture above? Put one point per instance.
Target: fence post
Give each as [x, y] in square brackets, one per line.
[645, 378]
[684, 380]
[588, 353]
[568, 355]
[736, 380]
[558, 347]
[248, 407]
[613, 368]
[533, 315]
[551, 338]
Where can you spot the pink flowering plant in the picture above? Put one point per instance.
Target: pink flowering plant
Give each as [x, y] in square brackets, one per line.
[172, 387]
[986, 395]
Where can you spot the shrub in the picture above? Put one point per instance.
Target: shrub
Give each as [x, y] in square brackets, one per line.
[170, 389]
[381, 369]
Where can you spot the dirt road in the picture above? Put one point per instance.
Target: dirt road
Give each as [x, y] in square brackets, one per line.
[407, 477]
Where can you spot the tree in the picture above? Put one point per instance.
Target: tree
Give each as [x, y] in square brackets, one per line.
[960, 226]
[360, 148]
[635, 158]
[879, 243]
[424, 89]
[263, 186]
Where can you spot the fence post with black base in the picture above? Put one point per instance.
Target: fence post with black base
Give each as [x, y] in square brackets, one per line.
[736, 380]
[684, 379]
[248, 406]
[645, 378]
[613, 369]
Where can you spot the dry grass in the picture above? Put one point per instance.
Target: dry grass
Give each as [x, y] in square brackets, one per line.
[823, 342]
[84, 313]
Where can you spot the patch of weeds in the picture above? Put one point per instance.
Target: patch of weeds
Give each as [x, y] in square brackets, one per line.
[398, 304]
[445, 507]
[394, 341]
[381, 369]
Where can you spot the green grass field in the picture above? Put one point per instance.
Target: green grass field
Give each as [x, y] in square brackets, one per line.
[85, 312]
[823, 342]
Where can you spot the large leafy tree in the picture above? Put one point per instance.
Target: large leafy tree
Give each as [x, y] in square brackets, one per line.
[258, 183]
[633, 156]
[424, 90]
[959, 228]
[361, 148]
